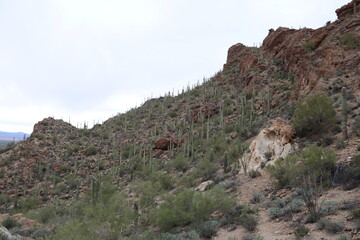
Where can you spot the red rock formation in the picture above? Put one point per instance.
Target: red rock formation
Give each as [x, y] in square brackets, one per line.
[240, 58]
[165, 143]
[348, 9]
[205, 109]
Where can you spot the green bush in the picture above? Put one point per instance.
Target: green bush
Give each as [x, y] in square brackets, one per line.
[166, 181]
[301, 231]
[356, 126]
[329, 207]
[274, 213]
[26, 204]
[206, 169]
[208, 229]
[9, 222]
[352, 173]
[180, 163]
[283, 171]
[296, 205]
[192, 235]
[257, 197]
[343, 237]
[318, 162]
[248, 221]
[349, 40]
[91, 150]
[310, 45]
[330, 227]
[278, 203]
[314, 115]
[233, 215]
[188, 207]
[254, 173]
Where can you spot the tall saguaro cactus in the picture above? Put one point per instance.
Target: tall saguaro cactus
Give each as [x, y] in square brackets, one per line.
[344, 113]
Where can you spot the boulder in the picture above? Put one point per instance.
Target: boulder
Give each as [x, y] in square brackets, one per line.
[164, 143]
[275, 141]
[204, 186]
[6, 235]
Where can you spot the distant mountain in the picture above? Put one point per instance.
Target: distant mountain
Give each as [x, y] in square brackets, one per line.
[11, 135]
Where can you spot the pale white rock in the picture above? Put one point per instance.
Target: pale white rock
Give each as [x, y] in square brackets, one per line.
[275, 139]
[204, 186]
[6, 235]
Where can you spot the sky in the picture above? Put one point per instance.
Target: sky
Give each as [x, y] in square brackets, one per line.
[88, 60]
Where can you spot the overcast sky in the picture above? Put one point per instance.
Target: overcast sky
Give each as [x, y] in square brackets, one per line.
[88, 60]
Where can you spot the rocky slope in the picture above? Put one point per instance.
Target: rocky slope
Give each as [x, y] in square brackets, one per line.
[256, 86]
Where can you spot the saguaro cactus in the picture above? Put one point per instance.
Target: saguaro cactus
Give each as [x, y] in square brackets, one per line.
[344, 113]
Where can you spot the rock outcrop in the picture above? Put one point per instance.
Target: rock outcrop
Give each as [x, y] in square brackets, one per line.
[270, 144]
[164, 143]
[6, 235]
[204, 186]
[313, 54]
[349, 9]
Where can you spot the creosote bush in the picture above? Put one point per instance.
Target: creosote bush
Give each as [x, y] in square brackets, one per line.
[314, 115]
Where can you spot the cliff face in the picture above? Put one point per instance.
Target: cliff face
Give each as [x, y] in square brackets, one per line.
[309, 55]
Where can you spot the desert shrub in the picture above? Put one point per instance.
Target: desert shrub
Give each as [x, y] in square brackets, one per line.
[166, 181]
[71, 180]
[356, 213]
[26, 204]
[310, 45]
[249, 238]
[329, 207]
[314, 115]
[352, 174]
[283, 171]
[329, 226]
[91, 150]
[296, 205]
[254, 173]
[274, 213]
[60, 188]
[340, 144]
[173, 114]
[43, 215]
[301, 231]
[349, 40]
[319, 161]
[248, 221]
[233, 215]
[343, 237]
[9, 222]
[327, 140]
[356, 126]
[278, 203]
[206, 169]
[192, 235]
[189, 206]
[229, 184]
[208, 229]
[257, 197]
[314, 175]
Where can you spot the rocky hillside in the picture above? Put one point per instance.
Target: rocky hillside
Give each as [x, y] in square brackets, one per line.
[141, 159]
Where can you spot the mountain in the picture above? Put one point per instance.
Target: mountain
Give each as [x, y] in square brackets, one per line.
[135, 175]
[13, 135]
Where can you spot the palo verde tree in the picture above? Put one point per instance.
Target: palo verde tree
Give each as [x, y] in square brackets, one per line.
[314, 115]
